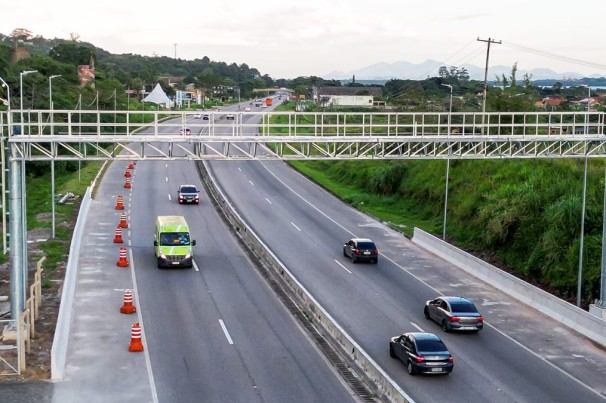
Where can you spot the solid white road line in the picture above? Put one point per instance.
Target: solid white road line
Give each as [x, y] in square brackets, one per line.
[196, 268]
[269, 201]
[294, 225]
[150, 373]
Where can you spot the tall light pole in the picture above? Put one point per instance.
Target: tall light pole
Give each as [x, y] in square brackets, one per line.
[52, 131]
[583, 201]
[602, 302]
[580, 273]
[3, 162]
[447, 166]
[23, 73]
[50, 100]
[22, 217]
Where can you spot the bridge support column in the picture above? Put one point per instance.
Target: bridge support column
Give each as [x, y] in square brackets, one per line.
[18, 249]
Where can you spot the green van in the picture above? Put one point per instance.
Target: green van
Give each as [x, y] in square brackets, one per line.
[173, 243]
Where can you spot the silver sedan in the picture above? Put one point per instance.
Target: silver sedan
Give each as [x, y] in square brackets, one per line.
[454, 313]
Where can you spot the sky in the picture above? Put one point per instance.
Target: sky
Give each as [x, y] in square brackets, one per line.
[288, 39]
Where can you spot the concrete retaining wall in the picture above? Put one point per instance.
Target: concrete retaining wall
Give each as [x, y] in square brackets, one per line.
[568, 314]
[363, 364]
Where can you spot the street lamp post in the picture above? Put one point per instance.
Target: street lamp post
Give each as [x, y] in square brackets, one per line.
[20, 235]
[580, 271]
[3, 162]
[583, 202]
[23, 73]
[52, 131]
[447, 166]
[50, 101]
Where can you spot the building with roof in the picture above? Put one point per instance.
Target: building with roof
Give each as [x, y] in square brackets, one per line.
[347, 96]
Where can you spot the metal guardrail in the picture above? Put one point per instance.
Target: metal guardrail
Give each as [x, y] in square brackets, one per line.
[85, 135]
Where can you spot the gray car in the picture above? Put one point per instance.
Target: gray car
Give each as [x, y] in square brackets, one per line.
[454, 313]
[423, 353]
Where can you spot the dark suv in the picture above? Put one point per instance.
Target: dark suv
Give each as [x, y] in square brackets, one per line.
[361, 249]
[188, 194]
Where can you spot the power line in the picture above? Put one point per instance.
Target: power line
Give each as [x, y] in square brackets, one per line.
[555, 56]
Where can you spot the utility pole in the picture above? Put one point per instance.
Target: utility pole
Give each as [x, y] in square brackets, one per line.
[488, 42]
[175, 51]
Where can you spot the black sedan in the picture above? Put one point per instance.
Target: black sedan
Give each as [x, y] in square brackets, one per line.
[188, 194]
[422, 353]
[361, 249]
[454, 313]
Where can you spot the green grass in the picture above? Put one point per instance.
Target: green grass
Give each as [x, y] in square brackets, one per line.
[39, 209]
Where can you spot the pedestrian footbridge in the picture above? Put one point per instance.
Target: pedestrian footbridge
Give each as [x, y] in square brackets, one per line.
[45, 135]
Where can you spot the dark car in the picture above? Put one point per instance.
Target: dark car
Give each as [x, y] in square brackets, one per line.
[454, 313]
[188, 194]
[186, 131]
[422, 353]
[230, 116]
[205, 117]
[361, 249]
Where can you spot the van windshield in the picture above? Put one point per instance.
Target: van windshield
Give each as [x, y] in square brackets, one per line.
[174, 238]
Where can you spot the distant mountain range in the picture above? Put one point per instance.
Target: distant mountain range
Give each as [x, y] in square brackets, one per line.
[429, 68]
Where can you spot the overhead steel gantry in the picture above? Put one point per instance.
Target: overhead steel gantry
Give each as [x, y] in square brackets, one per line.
[65, 135]
[121, 135]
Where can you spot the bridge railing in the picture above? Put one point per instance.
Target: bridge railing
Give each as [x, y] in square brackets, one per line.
[322, 124]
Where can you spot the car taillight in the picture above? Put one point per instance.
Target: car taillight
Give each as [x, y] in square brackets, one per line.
[357, 251]
[455, 319]
[375, 252]
[450, 359]
[480, 319]
[420, 359]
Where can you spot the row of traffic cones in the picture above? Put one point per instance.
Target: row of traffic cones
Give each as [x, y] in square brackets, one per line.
[128, 307]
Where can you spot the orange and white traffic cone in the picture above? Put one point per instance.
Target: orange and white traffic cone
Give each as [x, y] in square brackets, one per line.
[135, 338]
[118, 235]
[122, 261]
[127, 184]
[127, 174]
[123, 223]
[120, 203]
[128, 306]
[131, 165]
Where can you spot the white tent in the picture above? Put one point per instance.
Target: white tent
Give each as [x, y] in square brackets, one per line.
[158, 96]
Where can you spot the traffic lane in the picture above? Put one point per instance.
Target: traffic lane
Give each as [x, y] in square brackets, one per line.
[346, 308]
[231, 290]
[542, 335]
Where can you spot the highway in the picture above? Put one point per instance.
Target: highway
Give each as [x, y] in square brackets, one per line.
[217, 332]
[520, 356]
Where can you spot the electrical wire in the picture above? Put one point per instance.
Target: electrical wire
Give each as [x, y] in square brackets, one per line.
[555, 56]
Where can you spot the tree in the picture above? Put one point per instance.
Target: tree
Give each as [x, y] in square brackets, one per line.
[72, 53]
[20, 35]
